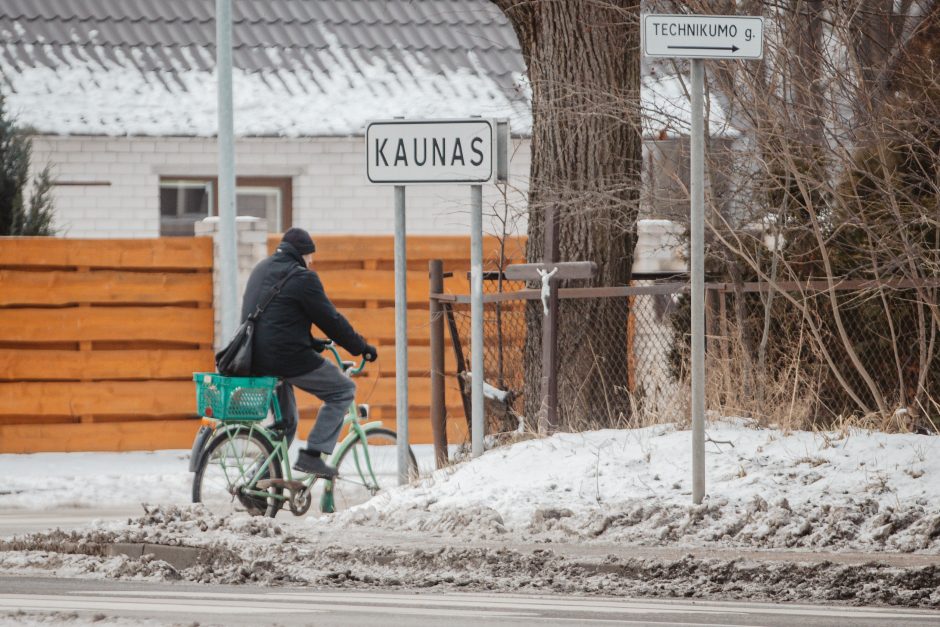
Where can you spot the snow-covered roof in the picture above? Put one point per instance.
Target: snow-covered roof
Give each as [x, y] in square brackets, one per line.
[302, 68]
[139, 67]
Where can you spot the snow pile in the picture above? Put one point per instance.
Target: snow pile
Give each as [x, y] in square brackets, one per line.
[241, 550]
[856, 490]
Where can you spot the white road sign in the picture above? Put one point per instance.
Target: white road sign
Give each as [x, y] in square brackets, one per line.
[404, 152]
[703, 36]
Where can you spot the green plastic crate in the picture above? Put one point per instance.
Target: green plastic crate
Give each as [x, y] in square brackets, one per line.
[233, 398]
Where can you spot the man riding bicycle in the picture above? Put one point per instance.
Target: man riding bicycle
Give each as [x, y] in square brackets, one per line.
[283, 347]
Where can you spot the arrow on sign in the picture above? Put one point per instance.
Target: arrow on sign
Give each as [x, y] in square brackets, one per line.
[731, 48]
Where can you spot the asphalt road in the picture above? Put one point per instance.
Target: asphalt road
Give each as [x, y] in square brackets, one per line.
[42, 597]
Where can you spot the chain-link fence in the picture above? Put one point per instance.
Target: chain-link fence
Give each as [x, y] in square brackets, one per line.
[797, 356]
[617, 360]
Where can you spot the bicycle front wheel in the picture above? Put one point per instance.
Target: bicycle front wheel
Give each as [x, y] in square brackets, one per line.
[367, 468]
[230, 461]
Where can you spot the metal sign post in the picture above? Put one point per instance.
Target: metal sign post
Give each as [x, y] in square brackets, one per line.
[401, 336]
[476, 320]
[400, 152]
[697, 235]
[226, 141]
[698, 37]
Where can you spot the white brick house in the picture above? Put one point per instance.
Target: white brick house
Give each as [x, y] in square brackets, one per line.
[111, 187]
[121, 97]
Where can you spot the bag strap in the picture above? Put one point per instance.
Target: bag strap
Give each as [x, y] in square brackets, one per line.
[272, 294]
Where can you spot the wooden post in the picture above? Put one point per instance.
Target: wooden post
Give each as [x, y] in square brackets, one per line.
[461, 363]
[438, 409]
[561, 271]
[548, 418]
[724, 343]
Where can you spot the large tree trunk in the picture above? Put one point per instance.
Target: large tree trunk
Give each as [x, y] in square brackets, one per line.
[583, 66]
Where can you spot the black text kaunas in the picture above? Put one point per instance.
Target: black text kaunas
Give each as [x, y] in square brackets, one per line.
[429, 151]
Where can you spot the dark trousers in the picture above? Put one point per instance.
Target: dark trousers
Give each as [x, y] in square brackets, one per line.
[330, 385]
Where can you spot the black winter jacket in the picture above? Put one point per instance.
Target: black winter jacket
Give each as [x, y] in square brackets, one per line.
[283, 345]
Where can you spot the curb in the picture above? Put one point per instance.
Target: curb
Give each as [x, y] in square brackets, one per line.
[179, 557]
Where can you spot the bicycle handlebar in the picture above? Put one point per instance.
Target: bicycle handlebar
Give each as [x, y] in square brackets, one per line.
[328, 344]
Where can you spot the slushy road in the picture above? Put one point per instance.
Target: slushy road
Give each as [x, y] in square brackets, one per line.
[244, 605]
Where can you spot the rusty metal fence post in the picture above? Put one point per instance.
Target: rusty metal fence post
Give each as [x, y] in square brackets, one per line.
[438, 408]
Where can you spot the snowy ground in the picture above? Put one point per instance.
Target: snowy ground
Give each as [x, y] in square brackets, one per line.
[855, 490]
[852, 490]
[43, 481]
[482, 524]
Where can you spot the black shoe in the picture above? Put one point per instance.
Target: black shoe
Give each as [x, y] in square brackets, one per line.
[313, 464]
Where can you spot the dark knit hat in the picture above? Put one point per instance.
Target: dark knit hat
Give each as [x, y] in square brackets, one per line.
[300, 240]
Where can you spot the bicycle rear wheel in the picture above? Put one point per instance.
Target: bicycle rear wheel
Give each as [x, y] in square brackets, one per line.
[355, 484]
[230, 461]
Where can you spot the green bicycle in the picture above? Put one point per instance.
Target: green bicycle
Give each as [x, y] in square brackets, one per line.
[242, 465]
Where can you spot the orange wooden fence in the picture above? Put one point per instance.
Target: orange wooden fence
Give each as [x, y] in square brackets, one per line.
[99, 340]
[358, 275]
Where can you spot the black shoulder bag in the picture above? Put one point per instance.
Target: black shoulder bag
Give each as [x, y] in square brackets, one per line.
[235, 359]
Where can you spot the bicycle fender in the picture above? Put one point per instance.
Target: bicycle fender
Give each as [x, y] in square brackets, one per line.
[199, 445]
[371, 426]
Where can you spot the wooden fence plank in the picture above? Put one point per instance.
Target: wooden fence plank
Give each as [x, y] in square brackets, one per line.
[146, 435]
[419, 429]
[156, 398]
[184, 253]
[419, 361]
[379, 285]
[381, 391]
[103, 398]
[149, 435]
[59, 365]
[109, 287]
[169, 324]
[381, 247]
[378, 325]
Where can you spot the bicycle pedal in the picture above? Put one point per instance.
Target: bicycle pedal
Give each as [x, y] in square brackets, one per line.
[294, 486]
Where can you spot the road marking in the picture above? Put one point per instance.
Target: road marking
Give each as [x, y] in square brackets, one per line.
[535, 603]
[221, 604]
[431, 600]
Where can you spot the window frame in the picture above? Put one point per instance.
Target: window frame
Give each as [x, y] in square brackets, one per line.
[284, 184]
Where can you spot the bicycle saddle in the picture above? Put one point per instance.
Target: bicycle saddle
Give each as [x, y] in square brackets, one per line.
[320, 344]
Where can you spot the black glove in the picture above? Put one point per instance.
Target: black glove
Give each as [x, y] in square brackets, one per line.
[371, 353]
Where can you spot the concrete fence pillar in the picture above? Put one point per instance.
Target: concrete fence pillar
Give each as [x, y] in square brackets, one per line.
[251, 245]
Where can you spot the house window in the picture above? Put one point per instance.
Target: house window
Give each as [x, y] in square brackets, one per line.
[182, 204]
[184, 201]
[260, 202]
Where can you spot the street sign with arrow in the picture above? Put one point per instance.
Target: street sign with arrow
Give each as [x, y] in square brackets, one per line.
[699, 37]
[703, 36]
